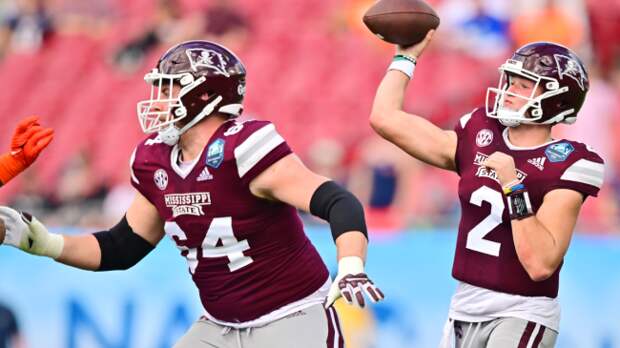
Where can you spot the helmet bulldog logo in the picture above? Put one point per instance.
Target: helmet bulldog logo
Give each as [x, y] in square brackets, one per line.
[571, 68]
[200, 57]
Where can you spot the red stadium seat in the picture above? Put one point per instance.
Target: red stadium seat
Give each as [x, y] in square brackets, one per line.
[309, 79]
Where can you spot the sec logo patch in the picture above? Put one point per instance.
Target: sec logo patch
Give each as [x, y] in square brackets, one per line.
[161, 179]
[484, 138]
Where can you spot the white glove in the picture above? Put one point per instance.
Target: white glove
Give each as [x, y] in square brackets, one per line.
[25, 232]
[351, 282]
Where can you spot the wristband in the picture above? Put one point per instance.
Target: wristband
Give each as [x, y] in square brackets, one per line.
[47, 244]
[351, 265]
[412, 59]
[508, 190]
[53, 246]
[404, 64]
[519, 205]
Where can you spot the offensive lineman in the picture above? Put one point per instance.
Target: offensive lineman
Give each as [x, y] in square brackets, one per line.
[520, 190]
[226, 193]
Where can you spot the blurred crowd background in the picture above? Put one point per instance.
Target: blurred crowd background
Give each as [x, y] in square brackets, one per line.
[313, 69]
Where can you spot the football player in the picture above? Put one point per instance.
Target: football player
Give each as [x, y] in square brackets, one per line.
[520, 190]
[227, 194]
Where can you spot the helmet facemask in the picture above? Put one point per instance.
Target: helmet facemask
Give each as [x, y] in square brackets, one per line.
[532, 110]
[164, 119]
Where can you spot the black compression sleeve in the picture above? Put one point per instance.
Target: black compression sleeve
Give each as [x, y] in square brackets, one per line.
[339, 207]
[121, 248]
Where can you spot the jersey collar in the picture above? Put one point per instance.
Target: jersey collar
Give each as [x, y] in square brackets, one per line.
[182, 170]
[523, 148]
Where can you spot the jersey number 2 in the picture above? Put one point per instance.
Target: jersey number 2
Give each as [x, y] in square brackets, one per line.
[219, 229]
[475, 237]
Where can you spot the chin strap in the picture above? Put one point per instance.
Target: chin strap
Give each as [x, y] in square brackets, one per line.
[509, 123]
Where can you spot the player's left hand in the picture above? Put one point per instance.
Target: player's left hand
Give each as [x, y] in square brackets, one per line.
[25, 232]
[504, 166]
[352, 283]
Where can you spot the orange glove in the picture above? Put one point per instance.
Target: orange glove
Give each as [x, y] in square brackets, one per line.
[28, 141]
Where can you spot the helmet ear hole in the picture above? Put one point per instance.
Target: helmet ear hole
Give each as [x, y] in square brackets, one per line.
[537, 112]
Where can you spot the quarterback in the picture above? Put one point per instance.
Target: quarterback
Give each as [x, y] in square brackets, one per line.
[520, 190]
[227, 194]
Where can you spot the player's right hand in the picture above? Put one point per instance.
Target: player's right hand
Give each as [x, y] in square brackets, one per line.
[417, 49]
[25, 232]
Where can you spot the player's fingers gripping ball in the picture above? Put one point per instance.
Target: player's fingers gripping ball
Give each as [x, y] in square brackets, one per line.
[417, 49]
[352, 283]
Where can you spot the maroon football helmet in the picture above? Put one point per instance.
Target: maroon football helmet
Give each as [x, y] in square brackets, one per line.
[557, 70]
[208, 78]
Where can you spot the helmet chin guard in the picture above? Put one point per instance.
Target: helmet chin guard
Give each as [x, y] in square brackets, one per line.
[171, 134]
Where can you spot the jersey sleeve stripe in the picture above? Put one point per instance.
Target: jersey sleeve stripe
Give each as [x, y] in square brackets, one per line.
[132, 159]
[257, 146]
[586, 172]
[464, 119]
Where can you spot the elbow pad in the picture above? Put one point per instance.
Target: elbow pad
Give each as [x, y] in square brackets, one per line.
[340, 208]
[121, 248]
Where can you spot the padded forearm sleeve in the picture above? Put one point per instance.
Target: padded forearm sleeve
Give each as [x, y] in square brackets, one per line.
[121, 247]
[340, 208]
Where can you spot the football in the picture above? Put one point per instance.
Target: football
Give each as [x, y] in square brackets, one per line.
[401, 22]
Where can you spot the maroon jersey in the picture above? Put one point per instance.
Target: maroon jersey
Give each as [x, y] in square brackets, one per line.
[485, 253]
[247, 256]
